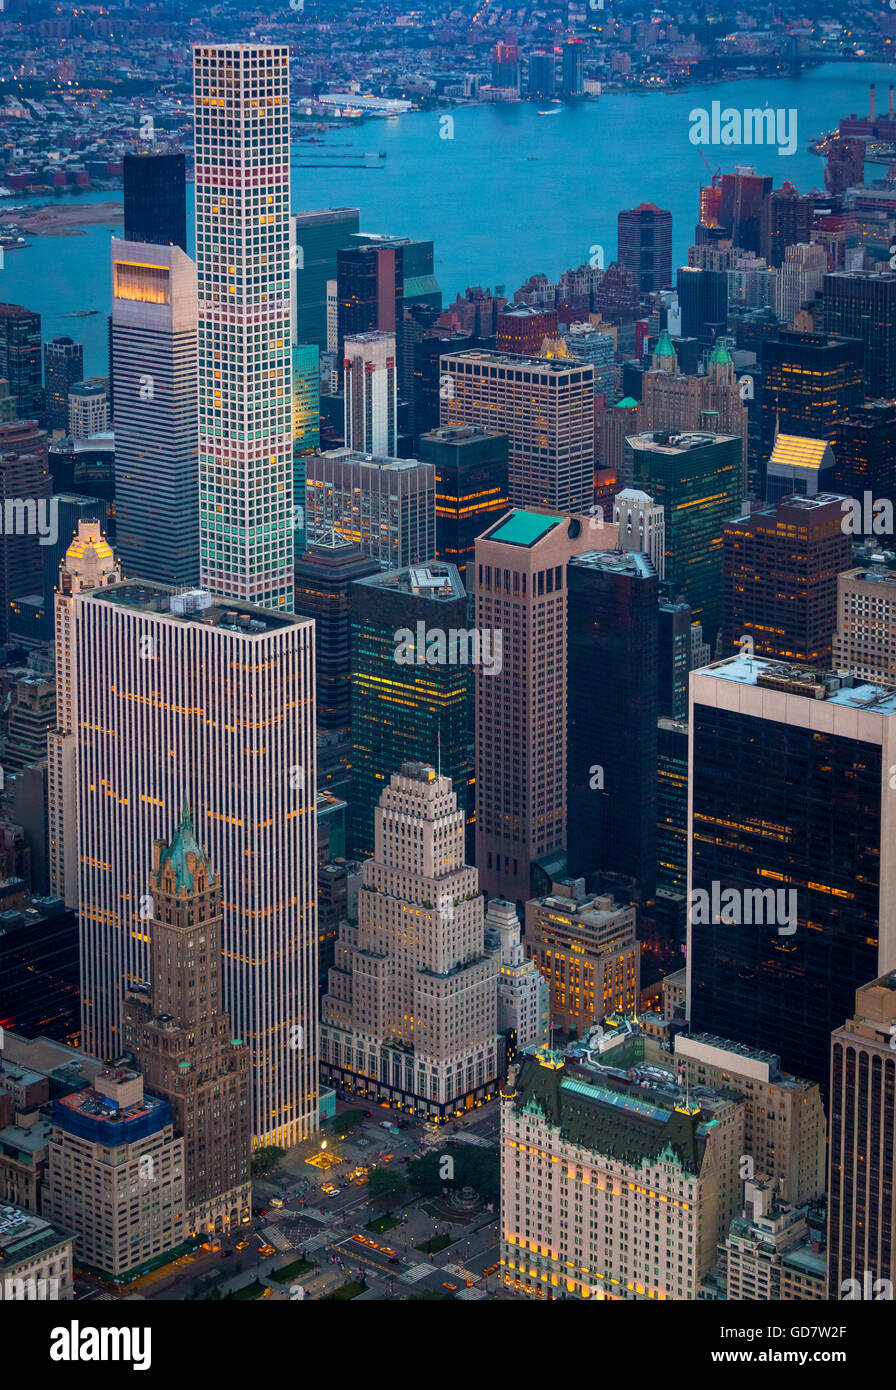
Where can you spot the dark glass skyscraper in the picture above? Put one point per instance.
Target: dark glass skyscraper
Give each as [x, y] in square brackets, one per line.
[320, 236]
[63, 368]
[810, 382]
[405, 707]
[323, 575]
[791, 809]
[20, 359]
[697, 478]
[155, 199]
[611, 708]
[645, 246]
[865, 451]
[862, 304]
[471, 487]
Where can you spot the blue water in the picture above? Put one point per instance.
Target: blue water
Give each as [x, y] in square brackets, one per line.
[512, 194]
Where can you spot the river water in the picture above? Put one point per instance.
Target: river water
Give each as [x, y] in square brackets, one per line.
[511, 194]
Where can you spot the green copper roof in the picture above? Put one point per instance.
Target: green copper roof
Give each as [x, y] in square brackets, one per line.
[524, 528]
[184, 855]
[627, 403]
[664, 346]
[720, 355]
[621, 1125]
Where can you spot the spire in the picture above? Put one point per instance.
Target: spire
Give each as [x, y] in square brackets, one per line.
[665, 358]
[186, 817]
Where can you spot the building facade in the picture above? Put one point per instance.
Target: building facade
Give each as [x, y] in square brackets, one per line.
[586, 949]
[243, 264]
[387, 506]
[411, 1011]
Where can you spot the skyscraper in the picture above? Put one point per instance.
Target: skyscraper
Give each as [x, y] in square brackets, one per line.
[542, 74]
[410, 1016]
[245, 367]
[412, 692]
[642, 526]
[546, 408]
[371, 393]
[587, 950]
[323, 575]
[320, 236]
[63, 367]
[155, 199]
[780, 568]
[862, 304]
[387, 506]
[522, 329]
[154, 355]
[791, 853]
[865, 448]
[471, 487]
[181, 1038]
[740, 210]
[785, 218]
[611, 800]
[88, 407]
[520, 589]
[25, 512]
[573, 70]
[864, 642]
[20, 360]
[810, 382]
[861, 1219]
[179, 695]
[645, 246]
[696, 478]
[88, 564]
[800, 277]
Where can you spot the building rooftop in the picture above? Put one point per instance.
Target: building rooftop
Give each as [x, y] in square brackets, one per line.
[194, 606]
[668, 442]
[544, 365]
[24, 1235]
[633, 562]
[384, 463]
[435, 580]
[836, 688]
[797, 451]
[523, 528]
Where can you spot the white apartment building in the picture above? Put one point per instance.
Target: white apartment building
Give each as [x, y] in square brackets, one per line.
[88, 408]
[610, 1191]
[241, 141]
[181, 697]
[154, 384]
[865, 640]
[371, 393]
[89, 564]
[410, 1015]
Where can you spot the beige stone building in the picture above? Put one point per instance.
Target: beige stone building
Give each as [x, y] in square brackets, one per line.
[771, 1252]
[35, 1258]
[586, 948]
[673, 401]
[116, 1176]
[865, 640]
[611, 1190]
[182, 1038]
[784, 1123]
[410, 1015]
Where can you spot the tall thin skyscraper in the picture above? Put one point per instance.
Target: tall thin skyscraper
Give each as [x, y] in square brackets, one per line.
[63, 368]
[178, 695]
[645, 245]
[241, 102]
[154, 354]
[88, 564]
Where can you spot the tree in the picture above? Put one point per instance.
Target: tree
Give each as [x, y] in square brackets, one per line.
[266, 1160]
[381, 1183]
[347, 1121]
[424, 1174]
